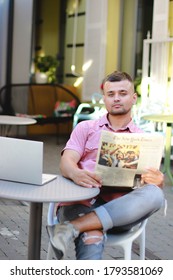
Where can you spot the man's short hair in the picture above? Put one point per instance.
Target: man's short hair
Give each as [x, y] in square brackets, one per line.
[117, 76]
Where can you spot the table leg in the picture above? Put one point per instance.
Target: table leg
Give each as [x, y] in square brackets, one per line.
[35, 224]
[167, 159]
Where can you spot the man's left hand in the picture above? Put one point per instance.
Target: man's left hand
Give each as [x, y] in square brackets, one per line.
[153, 176]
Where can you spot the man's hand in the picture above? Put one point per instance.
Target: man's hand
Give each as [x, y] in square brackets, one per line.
[86, 179]
[69, 169]
[153, 176]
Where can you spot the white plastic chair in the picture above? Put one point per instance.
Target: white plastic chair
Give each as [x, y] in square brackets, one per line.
[89, 111]
[126, 239]
[97, 98]
[123, 240]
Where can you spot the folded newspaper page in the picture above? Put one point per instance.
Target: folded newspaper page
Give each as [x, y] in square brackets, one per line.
[123, 157]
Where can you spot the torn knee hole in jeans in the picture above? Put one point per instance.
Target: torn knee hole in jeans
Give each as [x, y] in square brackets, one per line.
[91, 238]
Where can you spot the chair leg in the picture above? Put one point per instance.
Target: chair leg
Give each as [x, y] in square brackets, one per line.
[127, 251]
[142, 245]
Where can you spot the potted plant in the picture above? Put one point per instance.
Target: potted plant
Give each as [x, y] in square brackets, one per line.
[46, 67]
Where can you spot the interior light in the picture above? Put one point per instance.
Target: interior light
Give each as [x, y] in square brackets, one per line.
[78, 81]
[87, 65]
[73, 68]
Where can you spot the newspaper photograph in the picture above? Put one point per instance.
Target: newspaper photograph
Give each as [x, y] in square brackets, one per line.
[123, 157]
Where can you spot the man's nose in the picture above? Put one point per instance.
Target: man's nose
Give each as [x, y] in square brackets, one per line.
[116, 97]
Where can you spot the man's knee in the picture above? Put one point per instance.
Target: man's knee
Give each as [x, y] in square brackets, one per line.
[93, 237]
[155, 195]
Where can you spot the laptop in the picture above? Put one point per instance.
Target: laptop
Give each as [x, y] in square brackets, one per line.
[22, 161]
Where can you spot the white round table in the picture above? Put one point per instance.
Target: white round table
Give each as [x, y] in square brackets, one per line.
[7, 121]
[58, 190]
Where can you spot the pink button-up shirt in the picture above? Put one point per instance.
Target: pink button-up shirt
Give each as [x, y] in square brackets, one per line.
[84, 139]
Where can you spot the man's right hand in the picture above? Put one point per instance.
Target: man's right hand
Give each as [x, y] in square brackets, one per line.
[69, 169]
[86, 179]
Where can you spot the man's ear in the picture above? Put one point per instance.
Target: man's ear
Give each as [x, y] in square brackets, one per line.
[103, 97]
[134, 98]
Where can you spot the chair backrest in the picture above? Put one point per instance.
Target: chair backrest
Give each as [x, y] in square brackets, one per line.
[88, 111]
[36, 99]
[97, 98]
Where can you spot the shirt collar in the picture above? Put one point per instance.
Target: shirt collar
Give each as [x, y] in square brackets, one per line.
[131, 127]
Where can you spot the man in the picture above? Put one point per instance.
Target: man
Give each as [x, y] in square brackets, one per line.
[91, 219]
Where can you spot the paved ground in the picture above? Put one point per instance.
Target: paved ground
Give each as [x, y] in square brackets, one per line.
[14, 218]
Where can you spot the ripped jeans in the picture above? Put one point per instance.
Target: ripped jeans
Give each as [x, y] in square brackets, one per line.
[120, 214]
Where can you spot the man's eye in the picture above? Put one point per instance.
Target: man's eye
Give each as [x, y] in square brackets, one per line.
[123, 92]
[110, 94]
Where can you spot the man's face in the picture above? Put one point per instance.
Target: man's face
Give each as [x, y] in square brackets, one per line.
[119, 97]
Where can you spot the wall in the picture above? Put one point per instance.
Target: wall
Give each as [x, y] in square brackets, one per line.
[3, 39]
[129, 36]
[95, 47]
[170, 18]
[49, 28]
[86, 41]
[22, 35]
[113, 46]
[74, 41]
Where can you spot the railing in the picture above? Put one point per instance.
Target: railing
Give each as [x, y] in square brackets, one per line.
[157, 75]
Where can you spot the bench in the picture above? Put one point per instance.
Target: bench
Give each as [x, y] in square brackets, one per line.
[38, 101]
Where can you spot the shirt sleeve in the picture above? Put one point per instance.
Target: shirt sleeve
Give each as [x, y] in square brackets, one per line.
[78, 138]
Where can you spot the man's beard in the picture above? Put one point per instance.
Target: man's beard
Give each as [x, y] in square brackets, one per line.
[114, 113]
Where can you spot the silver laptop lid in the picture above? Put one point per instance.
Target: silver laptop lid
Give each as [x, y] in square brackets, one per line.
[21, 160]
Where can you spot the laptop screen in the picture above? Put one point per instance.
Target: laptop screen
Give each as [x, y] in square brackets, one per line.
[21, 160]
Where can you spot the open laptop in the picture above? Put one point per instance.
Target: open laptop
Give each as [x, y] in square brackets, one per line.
[22, 161]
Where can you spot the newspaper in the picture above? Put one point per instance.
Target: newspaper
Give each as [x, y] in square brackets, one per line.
[123, 157]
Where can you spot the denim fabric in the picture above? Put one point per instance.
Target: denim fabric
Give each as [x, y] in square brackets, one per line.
[130, 209]
[89, 251]
[83, 251]
[119, 214]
